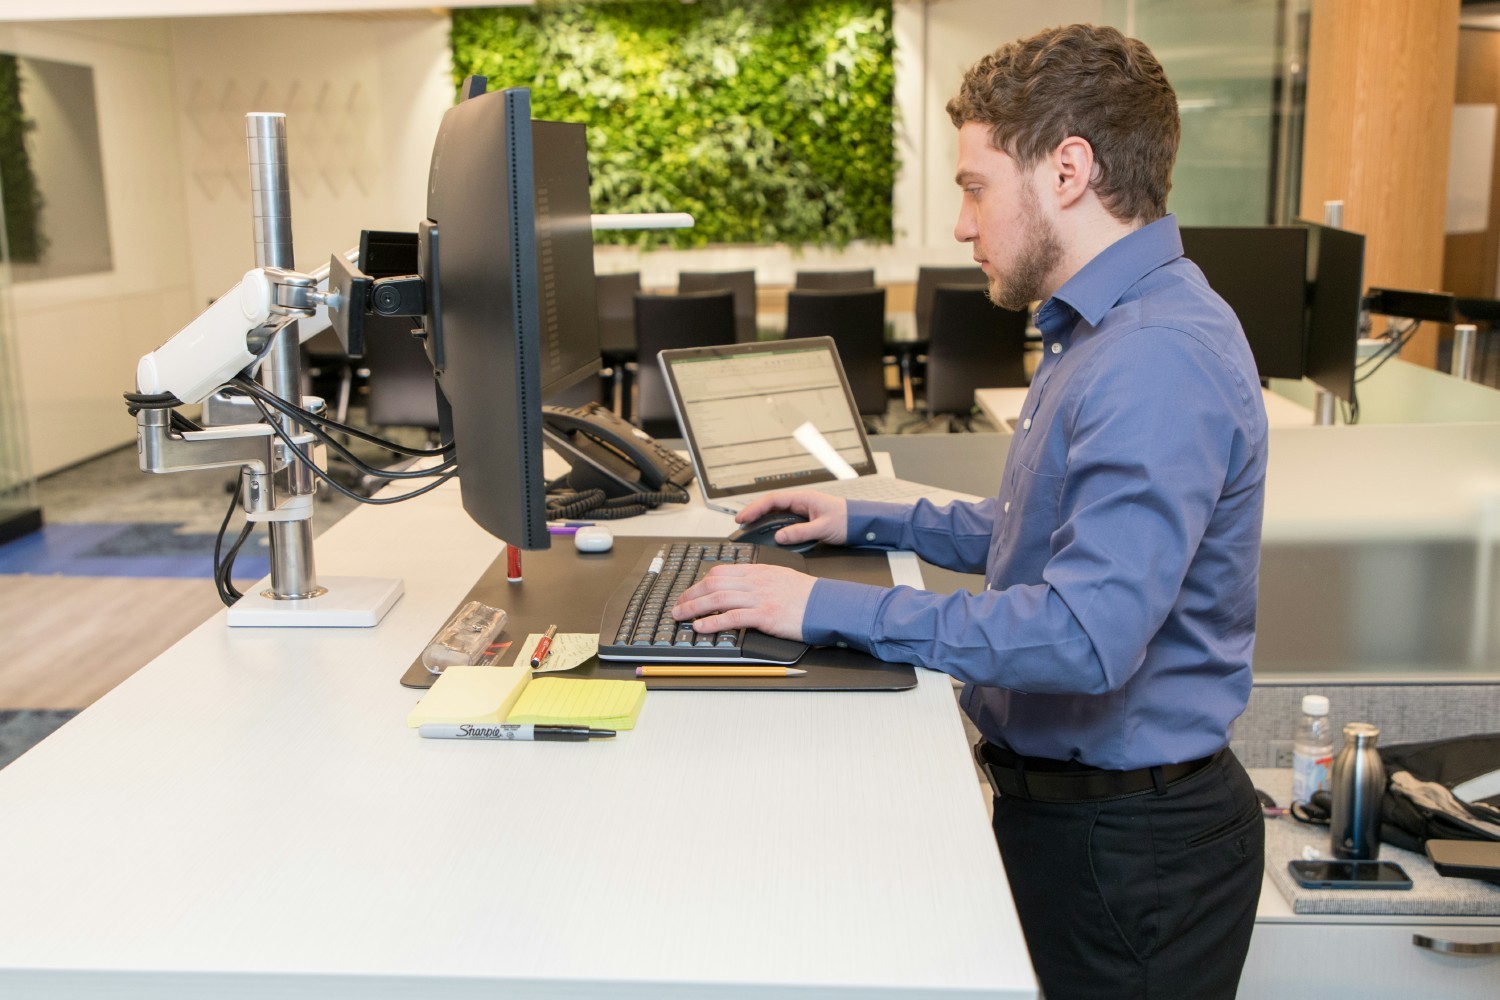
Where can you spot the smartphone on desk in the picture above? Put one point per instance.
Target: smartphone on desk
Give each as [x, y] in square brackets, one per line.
[1349, 875]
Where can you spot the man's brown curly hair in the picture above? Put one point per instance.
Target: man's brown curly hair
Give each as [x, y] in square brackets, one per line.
[1085, 81]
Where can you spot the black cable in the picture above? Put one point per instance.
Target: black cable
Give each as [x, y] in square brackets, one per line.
[263, 400]
[444, 472]
[223, 567]
[1389, 350]
[304, 416]
[593, 503]
[152, 400]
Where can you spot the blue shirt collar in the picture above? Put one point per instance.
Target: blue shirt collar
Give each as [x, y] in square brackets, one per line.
[1103, 281]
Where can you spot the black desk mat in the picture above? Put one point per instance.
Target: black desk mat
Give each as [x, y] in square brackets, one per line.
[569, 588]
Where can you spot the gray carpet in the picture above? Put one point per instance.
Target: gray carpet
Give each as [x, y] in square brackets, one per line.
[22, 729]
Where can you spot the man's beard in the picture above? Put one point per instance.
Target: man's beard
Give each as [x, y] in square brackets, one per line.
[1039, 255]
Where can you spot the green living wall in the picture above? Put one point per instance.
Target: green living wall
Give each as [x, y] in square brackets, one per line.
[22, 200]
[771, 121]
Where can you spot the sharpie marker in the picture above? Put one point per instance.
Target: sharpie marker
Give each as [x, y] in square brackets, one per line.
[510, 731]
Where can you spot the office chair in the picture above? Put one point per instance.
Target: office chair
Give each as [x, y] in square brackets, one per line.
[974, 344]
[615, 294]
[855, 319]
[928, 278]
[836, 279]
[663, 322]
[741, 283]
[325, 362]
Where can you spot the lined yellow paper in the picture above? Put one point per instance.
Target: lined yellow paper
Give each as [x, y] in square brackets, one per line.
[565, 701]
[465, 693]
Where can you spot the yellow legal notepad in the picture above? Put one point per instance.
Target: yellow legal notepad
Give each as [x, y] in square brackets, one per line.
[464, 693]
[564, 701]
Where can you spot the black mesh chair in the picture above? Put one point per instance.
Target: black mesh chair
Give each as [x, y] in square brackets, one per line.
[615, 295]
[928, 278]
[855, 319]
[974, 344]
[326, 366]
[664, 322]
[836, 279]
[741, 283]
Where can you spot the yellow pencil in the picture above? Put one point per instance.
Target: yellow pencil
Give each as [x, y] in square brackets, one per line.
[690, 670]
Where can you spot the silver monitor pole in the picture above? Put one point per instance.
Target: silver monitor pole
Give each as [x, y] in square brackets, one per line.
[293, 573]
[1325, 404]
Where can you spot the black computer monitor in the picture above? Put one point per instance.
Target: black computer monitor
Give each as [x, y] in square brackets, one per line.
[1335, 281]
[1261, 271]
[506, 256]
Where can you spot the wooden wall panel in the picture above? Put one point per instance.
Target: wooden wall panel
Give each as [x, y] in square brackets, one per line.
[1470, 260]
[1379, 105]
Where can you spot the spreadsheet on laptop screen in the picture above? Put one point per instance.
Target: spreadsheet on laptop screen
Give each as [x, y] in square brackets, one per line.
[743, 409]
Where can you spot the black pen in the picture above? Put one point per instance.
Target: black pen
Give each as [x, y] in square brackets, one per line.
[511, 731]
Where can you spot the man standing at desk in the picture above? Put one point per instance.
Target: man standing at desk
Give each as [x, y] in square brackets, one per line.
[1110, 651]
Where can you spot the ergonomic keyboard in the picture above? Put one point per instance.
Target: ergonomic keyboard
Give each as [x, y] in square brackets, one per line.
[638, 624]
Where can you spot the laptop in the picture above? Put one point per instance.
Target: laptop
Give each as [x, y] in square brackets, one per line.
[777, 415]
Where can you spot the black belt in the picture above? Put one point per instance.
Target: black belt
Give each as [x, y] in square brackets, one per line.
[1056, 781]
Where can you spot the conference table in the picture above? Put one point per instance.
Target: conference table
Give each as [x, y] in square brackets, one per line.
[248, 815]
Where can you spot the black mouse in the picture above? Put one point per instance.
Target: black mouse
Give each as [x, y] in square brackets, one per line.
[762, 531]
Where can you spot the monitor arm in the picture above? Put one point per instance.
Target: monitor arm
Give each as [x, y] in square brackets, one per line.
[230, 335]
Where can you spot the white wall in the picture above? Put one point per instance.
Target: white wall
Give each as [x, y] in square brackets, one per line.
[363, 96]
[77, 338]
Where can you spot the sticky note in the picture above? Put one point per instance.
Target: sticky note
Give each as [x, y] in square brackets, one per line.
[565, 701]
[569, 650]
[465, 693]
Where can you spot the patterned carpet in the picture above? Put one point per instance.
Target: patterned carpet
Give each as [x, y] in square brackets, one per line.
[20, 730]
[107, 518]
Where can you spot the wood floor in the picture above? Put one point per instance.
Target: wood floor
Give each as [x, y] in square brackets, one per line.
[66, 640]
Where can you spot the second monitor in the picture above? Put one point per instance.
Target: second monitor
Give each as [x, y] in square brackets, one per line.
[1261, 271]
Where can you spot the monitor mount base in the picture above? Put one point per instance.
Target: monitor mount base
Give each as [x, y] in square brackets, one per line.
[346, 602]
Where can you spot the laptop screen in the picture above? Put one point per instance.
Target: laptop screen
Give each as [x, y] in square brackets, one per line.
[741, 407]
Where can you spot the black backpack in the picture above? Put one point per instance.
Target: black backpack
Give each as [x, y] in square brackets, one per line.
[1419, 803]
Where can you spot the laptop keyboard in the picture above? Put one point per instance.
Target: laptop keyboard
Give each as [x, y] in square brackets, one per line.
[885, 488]
[638, 623]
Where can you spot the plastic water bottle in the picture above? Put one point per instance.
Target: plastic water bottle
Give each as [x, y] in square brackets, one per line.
[1312, 749]
[1358, 788]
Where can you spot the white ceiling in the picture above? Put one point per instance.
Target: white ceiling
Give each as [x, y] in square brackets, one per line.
[61, 10]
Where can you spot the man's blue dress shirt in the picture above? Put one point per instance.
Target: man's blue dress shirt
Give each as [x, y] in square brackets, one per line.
[1122, 550]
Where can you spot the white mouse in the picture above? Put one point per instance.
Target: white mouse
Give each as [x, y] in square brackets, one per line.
[593, 538]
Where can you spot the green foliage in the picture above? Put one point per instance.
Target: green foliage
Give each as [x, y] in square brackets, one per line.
[771, 121]
[23, 202]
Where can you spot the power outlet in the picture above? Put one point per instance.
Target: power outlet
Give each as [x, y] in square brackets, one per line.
[1281, 753]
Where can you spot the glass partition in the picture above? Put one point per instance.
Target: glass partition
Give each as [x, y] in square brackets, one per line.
[1238, 69]
[19, 511]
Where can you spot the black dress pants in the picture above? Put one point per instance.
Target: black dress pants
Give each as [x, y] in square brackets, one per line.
[1147, 897]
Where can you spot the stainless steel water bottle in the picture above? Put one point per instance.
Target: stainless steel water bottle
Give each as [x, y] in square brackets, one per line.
[1358, 788]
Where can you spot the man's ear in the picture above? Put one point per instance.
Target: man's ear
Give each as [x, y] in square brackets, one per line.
[1072, 171]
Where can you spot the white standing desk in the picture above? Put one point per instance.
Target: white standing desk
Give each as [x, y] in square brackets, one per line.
[248, 816]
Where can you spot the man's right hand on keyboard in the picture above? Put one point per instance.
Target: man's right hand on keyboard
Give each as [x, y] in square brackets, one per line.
[827, 516]
[731, 596]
